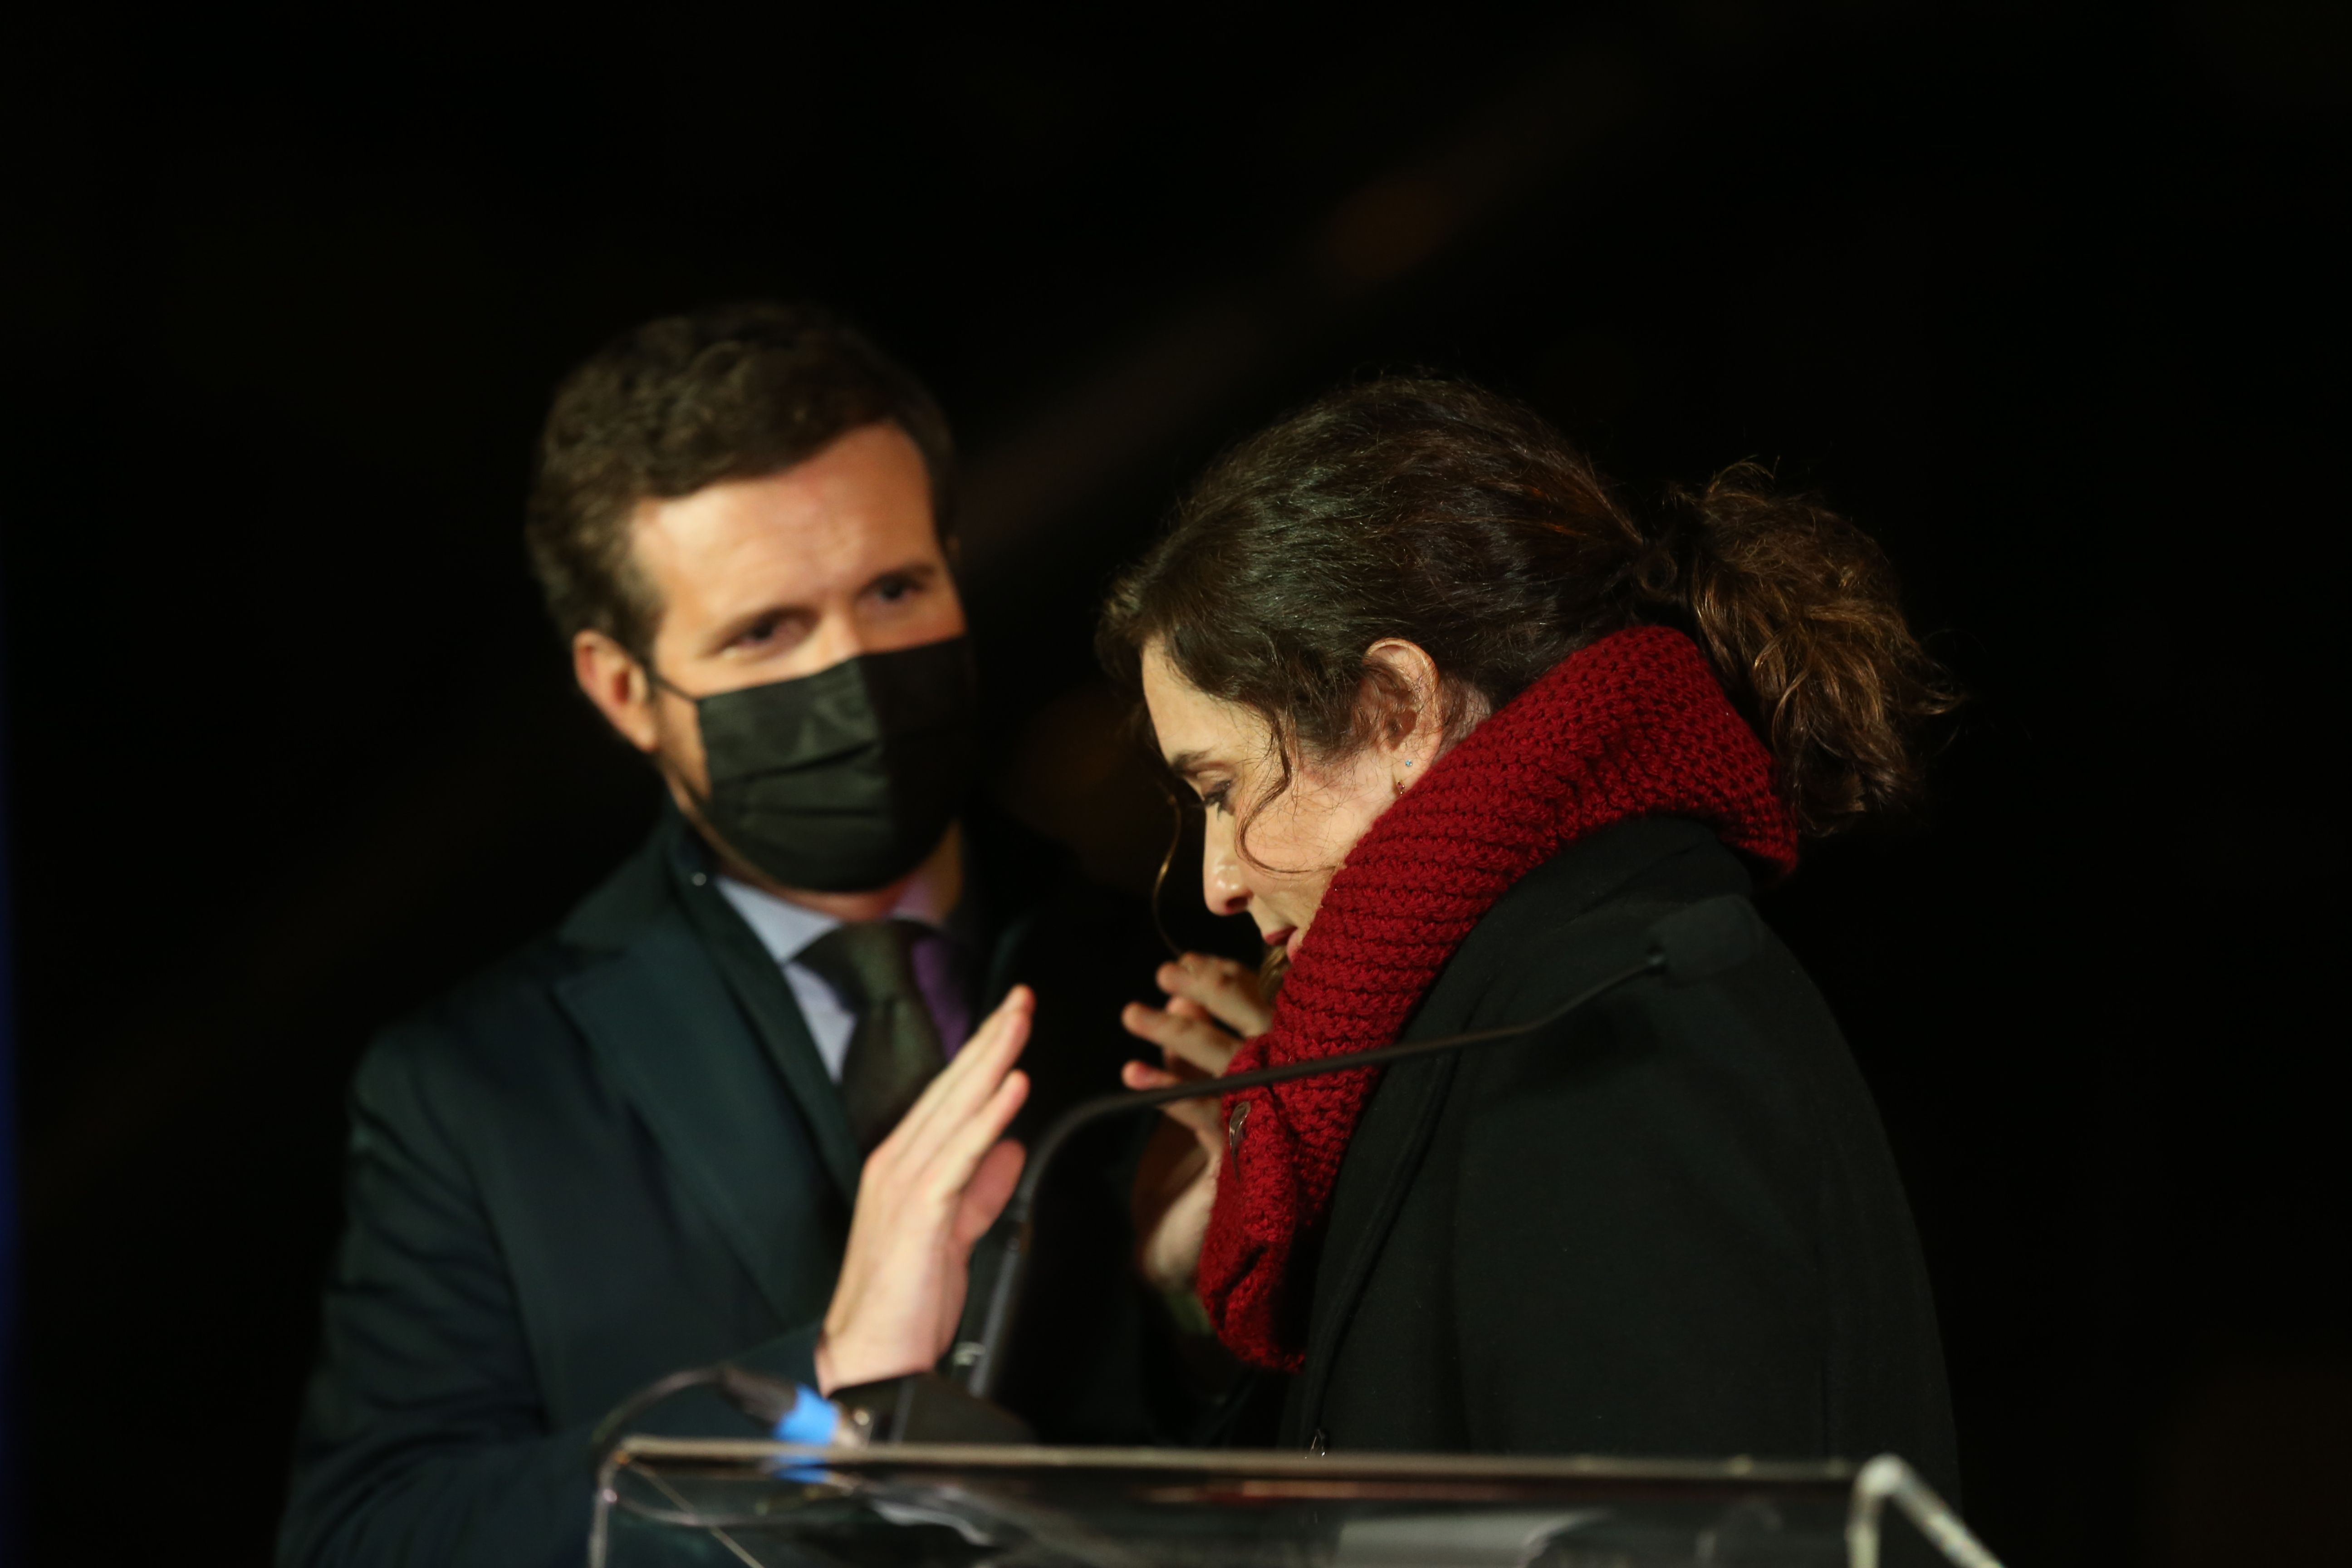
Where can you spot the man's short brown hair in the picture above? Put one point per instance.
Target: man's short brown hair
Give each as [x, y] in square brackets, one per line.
[686, 402]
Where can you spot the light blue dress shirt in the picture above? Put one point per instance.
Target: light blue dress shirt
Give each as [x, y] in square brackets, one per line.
[786, 930]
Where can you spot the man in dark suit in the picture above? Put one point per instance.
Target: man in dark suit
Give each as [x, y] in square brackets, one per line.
[636, 1145]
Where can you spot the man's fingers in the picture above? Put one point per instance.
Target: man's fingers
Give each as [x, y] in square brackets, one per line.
[988, 1191]
[963, 1145]
[973, 1075]
[966, 1148]
[1000, 1037]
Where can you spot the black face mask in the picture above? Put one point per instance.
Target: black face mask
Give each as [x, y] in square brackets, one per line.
[841, 782]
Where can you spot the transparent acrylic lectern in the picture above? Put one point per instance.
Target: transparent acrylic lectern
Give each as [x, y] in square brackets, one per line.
[677, 1500]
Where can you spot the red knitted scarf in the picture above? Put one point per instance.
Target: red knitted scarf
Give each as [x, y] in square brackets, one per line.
[1634, 725]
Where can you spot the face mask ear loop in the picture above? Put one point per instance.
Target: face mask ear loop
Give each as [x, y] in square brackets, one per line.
[655, 677]
[1167, 861]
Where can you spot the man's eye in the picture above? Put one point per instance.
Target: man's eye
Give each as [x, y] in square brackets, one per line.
[770, 631]
[890, 589]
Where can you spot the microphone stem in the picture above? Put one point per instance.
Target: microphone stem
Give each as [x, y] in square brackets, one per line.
[982, 1369]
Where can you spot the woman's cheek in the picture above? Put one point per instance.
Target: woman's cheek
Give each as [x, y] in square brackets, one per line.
[1300, 892]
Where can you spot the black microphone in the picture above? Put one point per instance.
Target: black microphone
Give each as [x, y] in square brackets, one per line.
[1685, 948]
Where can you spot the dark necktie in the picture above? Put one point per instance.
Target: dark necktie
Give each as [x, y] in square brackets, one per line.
[894, 1049]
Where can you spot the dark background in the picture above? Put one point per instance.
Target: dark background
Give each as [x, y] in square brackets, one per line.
[2041, 295]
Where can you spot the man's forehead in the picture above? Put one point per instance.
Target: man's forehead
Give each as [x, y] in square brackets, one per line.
[820, 526]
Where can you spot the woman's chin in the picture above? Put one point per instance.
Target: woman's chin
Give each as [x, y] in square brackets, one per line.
[1291, 942]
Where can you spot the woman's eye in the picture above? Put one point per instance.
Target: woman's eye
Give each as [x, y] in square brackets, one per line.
[1216, 799]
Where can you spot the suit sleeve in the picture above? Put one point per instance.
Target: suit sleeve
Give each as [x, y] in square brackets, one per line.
[1622, 1263]
[422, 1440]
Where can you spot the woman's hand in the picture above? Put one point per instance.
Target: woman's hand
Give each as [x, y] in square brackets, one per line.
[1177, 1184]
[1204, 992]
[930, 1191]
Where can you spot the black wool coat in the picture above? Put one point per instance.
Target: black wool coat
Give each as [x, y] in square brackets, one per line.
[1668, 1225]
[616, 1154]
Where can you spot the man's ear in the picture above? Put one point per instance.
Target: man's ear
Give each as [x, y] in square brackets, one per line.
[616, 683]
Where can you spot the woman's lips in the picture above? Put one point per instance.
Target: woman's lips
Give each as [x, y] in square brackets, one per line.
[1273, 938]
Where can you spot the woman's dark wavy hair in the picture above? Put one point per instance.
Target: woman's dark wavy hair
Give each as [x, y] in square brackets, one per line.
[1433, 510]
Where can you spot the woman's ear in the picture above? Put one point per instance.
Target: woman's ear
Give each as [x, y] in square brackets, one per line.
[1405, 682]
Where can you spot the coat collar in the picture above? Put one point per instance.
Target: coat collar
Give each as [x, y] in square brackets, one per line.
[1389, 1145]
[637, 892]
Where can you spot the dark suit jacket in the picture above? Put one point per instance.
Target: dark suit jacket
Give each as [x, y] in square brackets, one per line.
[1668, 1225]
[618, 1153]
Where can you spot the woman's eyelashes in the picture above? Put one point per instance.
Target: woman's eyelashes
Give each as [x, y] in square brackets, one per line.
[1215, 797]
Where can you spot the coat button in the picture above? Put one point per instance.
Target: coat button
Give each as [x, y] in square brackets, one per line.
[1318, 1444]
[1233, 1129]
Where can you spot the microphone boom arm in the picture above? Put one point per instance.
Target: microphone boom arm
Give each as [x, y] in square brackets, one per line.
[982, 1360]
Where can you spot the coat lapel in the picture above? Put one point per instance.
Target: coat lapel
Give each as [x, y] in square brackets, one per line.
[750, 974]
[659, 1018]
[715, 1066]
[1382, 1159]
[1386, 1152]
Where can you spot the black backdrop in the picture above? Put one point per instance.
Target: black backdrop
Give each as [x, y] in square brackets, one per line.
[2040, 297]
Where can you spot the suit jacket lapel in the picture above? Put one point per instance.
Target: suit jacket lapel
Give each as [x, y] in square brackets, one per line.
[750, 974]
[658, 1016]
[699, 1051]
[694, 1023]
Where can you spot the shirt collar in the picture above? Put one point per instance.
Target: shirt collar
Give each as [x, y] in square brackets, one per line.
[785, 928]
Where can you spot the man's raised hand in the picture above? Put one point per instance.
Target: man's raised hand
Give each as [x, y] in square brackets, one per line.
[930, 1191]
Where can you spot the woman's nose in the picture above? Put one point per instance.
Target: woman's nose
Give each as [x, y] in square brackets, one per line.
[1222, 885]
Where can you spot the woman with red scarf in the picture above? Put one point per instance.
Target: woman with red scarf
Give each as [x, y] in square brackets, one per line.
[1464, 728]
